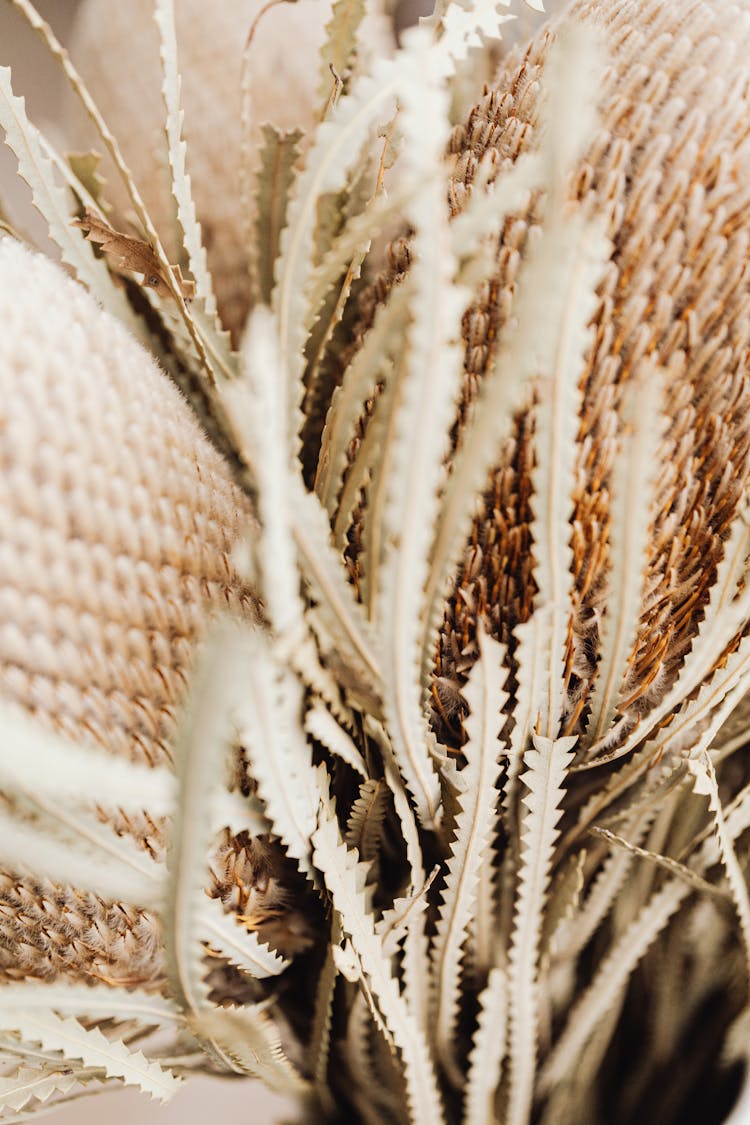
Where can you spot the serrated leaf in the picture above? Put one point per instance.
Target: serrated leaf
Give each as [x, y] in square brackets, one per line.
[416, 946]
[705, 785]
[488, 1051]
[96, 1002]
[50, 199]
[340, 41]
[345, 880]
[544, 777]
[131, 254]
[56, 1033]
[270, 731]
[202, 748]
[234, 941]
[427, 396]
[561, 272]
[397, 920]
[364, 824]
[578, 250]
[725, 615]
[325, 573]
[29, 1084]
[320, 1036]
[206, 348]
[320, 723]
[464, 28]
[256, 405]
[77, 851]
[634, 484]
[279, 154]
[181, 188]
[248, 1041]
[336, 146]
[474, 827]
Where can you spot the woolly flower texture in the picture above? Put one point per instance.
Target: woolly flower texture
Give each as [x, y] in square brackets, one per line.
[117, 519]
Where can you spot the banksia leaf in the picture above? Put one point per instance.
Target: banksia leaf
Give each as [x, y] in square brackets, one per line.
[544, 777]
[92, 1048]
[474, 826]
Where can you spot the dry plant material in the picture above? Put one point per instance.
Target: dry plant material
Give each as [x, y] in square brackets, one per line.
[445, 818]
[133, 255]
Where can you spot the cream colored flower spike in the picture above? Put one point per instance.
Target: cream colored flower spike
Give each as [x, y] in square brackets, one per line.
[116, 519]
[116, 48]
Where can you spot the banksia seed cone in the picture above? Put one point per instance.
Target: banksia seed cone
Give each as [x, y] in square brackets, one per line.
[669, 170]
[118, 51]
[117, 519]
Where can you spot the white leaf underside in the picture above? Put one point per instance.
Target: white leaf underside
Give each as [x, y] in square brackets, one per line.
[634, 485]
[248, 1041]
[279, 757]
[544, 777]
[427, 396]
[69, 859]
[474, 827]
[50, 199]
[488, 1051]
[345, 879]
[203, 748]
[187, 218]
[65, 1034]
[257, 407]
[28, 1084]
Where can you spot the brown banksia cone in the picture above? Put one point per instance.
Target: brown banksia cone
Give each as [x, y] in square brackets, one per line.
[668, 171]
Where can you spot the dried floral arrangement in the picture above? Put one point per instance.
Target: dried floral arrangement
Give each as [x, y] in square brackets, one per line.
[373, 710]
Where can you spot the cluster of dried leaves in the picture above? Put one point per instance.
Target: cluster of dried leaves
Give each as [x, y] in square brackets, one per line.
[486, 741]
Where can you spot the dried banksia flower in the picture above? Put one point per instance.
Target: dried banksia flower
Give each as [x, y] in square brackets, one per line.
[118, 519]
[456, 801]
